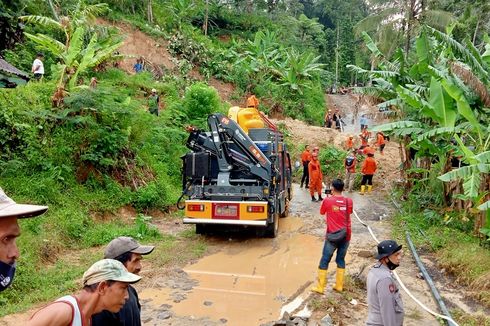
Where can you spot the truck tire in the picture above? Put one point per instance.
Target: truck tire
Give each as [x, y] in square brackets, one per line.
[286, 210]
[272, 229]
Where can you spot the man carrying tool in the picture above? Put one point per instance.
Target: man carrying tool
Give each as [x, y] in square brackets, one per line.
[350, 170]
[305, 159]
[337, 210]
[385, 306]
[369, 166]
[316, 177]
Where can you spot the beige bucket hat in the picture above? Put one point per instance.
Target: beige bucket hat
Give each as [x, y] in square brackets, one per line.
[9, 208]
[108, 270]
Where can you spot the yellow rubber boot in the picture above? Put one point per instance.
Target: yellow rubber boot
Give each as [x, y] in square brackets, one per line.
[369, 188]
[322, 281]
[339, 280]
[363, 188]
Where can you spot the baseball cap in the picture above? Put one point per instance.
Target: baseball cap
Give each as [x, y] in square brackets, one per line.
[108, 270]
[121, 245]
[9, 208]
[387, 248]
[153, 90]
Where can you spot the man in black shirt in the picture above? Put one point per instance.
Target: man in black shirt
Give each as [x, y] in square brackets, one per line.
[129, 252]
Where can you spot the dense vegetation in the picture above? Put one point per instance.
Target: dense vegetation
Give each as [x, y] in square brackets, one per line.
[88, 151]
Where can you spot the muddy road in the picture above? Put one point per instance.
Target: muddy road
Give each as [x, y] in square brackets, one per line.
[253, 281]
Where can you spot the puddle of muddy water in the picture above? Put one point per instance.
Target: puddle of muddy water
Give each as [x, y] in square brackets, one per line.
[247, 283]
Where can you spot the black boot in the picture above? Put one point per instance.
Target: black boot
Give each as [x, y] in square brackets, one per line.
[306, 187]
[313, 198]
[320, 198]
[301, 185]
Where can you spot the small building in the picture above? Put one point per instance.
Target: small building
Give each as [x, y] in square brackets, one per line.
[11, 77]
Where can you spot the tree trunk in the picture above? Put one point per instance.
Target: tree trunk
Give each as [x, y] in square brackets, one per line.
[337, 58]
[410, 22]
[53, 10]
[206, 17]
[476, 31]
[150, 11]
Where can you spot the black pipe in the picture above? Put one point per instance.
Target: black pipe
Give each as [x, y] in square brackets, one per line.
[428, 279]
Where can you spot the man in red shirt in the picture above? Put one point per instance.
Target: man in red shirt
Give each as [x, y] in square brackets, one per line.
[369, 166]
[380, 141]
[305, 159]
[337, 210]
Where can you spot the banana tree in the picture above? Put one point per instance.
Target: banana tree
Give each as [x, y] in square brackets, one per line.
[443, 96]
[75, 55]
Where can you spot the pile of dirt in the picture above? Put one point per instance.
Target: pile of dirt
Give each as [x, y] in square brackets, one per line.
[302, 133]
[155, 53]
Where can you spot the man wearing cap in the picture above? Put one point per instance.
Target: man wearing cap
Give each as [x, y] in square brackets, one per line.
[385, 306]
[10, 212]
[105, 287]
[129, 252]
[154, 102]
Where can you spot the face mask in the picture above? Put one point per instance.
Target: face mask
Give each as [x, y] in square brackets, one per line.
[7, 273]
[391, 266]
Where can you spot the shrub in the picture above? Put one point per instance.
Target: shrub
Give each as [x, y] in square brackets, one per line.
[201, 100]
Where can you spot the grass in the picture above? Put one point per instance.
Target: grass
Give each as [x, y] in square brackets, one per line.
[458, 252]
[61, 270]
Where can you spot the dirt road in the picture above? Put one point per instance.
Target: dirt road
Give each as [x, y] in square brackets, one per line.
[252, 281]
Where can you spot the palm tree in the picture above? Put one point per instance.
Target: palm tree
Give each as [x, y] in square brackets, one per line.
[395, 20]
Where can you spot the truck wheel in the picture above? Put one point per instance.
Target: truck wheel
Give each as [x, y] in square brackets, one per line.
[286, 209]
[272, 229]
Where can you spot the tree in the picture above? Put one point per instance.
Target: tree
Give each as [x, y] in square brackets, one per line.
[393, 21]
[75, 55]
[443, 98]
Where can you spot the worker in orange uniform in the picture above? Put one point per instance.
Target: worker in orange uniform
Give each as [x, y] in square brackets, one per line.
[305, 159]
[349, 143]
[380, 141]
[369, 166]
[364, 135]
[252, 102]
[316, 177]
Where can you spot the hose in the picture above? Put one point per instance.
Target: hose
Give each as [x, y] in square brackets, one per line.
[182, 196]
[428, 279]
[448, 319]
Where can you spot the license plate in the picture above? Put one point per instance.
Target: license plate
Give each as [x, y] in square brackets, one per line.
[226, 210]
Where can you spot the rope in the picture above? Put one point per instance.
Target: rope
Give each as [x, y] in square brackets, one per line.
[449, 319]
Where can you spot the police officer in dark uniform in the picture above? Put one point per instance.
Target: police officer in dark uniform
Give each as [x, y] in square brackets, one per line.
[384, 299]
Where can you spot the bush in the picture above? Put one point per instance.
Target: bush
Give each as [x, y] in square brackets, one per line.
[201, 100]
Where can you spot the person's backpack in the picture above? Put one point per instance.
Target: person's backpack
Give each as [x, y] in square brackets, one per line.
[349, 161]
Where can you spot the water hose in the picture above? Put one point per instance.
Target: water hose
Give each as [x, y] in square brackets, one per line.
[428, 279]
[447, 318]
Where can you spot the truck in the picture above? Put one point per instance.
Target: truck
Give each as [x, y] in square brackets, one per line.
[238, 173]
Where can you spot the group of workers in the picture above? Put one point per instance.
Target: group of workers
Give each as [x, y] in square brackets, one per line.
[106, 297]
[312, 177]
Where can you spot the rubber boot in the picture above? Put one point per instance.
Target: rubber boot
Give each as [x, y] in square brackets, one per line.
[363, 188]
[306, 187]
[320, 198]
[313, 198]
[339, 280]
[321, 281]
[369, 188]
[301, 185]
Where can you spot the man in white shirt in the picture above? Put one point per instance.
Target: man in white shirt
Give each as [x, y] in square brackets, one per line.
[38, 67]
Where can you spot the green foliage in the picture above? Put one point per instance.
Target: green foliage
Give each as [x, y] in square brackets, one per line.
[201, 100]
[332, 160]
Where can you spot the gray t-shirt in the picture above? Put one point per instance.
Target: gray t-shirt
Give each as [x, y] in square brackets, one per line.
[384, 299]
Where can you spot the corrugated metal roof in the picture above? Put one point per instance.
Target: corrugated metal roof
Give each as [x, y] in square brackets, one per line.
[7, 67]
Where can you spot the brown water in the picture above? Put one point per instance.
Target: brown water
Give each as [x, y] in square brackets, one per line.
[247, 283]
